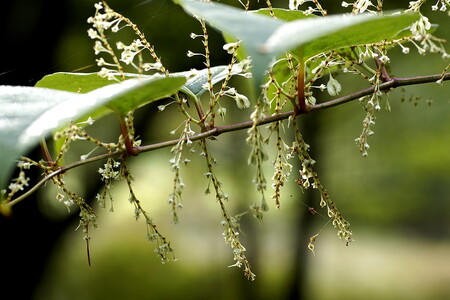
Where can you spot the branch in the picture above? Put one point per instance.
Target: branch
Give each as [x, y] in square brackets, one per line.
[391, 84]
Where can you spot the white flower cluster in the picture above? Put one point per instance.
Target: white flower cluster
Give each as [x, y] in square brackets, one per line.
[68, 202]
[360, 6]
[445, 4]
[415, 5]
[110, 170]
[419, 29]
[428, 43]
[107, 19]
[130, 51]
[442, 5]
[231, 237]
[281, 165]
[103, 21]
[19, 183]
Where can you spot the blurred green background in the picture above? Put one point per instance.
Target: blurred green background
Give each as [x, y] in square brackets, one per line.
[397, 198]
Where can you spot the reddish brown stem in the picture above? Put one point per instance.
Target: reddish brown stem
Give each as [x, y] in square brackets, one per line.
[301, 107]
[134, 151]
[380, 65]
[48, 158]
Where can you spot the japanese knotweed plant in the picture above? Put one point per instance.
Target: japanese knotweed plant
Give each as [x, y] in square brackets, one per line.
[290, 56]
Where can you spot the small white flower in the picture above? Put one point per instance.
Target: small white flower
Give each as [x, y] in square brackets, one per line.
[152, 66]
[426, 23]
[127, 56]
[26, 165]
[419, 28]
[92, 33]
[98, 47]
[194, 35]
[320, 66]
[361, 6]
[137, 43]
[205, 86]
[294, 4]
[230, 47]
[311, 100]
[116, 28]
[60, 197]
[107, 73]
[120, 45]
[222, 111]
[98, 6]
[309, 11]
[333, 86]
[89, 121]
[242, 101]
[101, 62]
[385, 59]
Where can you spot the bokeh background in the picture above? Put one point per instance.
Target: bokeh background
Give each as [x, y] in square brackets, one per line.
[397, 198]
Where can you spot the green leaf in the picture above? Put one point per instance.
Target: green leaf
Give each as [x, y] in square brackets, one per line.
[20, 107]
[30, 113]
[74, 82]
[86, 82]
[319, 35]
[280, 13]
[252, 29]
[284, 14]
[195, 84]
[265, 38]
[155, 88]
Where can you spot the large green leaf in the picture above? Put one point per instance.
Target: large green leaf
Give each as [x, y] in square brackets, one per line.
[318, 35]
[280, 13]
[283, 14]
[74, 82]
[156, 87]
[265, 38]
[19, 108]
[86, 82]
[195, 85]
[252, 29]
[29, 113]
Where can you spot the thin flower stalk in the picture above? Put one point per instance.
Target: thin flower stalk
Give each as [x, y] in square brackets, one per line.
[231, 227]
